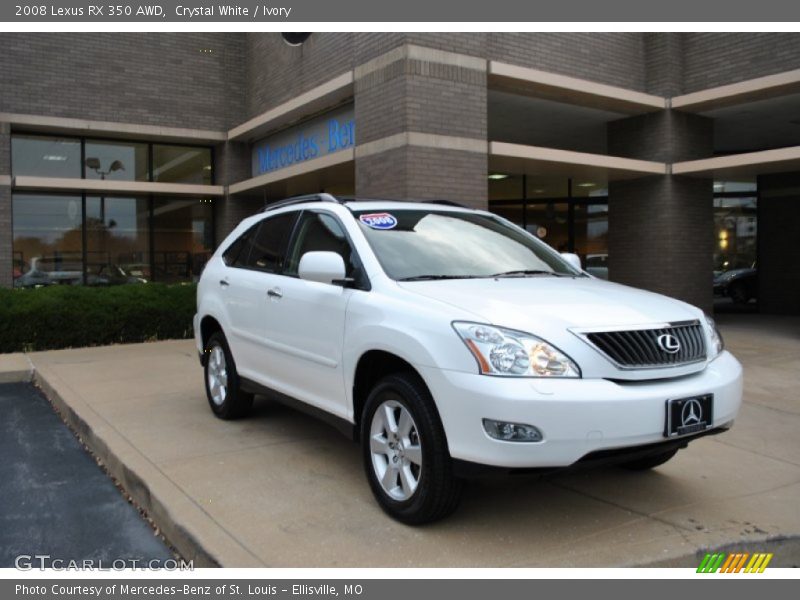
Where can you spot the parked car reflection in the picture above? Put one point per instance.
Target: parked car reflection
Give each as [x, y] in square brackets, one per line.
[740, 285]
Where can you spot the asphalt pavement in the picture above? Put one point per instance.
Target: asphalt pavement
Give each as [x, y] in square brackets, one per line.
[55, 500]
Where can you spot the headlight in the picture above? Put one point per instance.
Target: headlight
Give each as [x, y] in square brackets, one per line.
[511, 353]
[715, 338]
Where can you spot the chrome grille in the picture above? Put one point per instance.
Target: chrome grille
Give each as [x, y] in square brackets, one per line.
[640, 348]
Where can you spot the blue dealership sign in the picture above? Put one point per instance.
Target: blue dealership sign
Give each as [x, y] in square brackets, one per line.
[326, 134]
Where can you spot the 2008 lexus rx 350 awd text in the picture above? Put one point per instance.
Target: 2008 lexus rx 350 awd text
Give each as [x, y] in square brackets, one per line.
[446, 339]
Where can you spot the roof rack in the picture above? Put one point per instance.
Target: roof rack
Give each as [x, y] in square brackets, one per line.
[322, 197]
[446, 203]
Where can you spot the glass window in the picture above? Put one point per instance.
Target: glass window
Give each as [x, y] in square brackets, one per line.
[268, 246]
[591, 237]
[183, 238]
[45, 156]
[547, 186]
[550, 223]
[505, 187]
[424, 244]
[514, 212]
[735, 229]
[320, 232]
[47, 239]
[181, 164]
[117, 240]
[237, 253]
[118, 161]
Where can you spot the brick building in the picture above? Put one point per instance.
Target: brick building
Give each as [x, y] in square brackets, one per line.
[660, 158]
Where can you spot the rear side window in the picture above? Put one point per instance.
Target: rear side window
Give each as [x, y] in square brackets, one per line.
[267, 246]
[237, 252]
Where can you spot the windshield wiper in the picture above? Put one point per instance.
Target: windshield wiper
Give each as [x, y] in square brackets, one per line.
[525, 272]
[436, 277]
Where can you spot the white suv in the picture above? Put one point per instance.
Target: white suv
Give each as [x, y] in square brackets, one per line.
[446, 339]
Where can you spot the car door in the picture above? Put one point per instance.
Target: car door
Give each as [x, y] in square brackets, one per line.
[305, 322]
[253, 261]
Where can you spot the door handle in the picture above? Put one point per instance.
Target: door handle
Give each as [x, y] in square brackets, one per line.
[274, 293]
[223, 283]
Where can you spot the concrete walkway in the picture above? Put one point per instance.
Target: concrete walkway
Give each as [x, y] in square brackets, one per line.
[282, 489]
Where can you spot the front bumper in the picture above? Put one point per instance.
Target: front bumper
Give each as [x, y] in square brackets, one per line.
[576, 416]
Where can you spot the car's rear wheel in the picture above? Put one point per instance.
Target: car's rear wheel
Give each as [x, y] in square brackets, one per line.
[650, 462]
[223, 386]
[405, 452]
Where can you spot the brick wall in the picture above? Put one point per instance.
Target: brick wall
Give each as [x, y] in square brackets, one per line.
[663, 63]
[713, 59]
[277, 72]
[147, 78]
[611, 58]
[422, 96]
[778, 250]
[661, 229]
[661, 236]
[413, 173]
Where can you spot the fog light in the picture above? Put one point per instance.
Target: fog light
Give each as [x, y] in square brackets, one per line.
[512, 432]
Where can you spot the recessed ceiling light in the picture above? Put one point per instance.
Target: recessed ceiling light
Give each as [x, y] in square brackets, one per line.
[538, 191]
[496, 176]
[56, 157]
[585, 184]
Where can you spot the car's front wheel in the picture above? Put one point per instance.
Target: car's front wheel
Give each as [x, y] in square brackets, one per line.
[223, 388]
[405, 452]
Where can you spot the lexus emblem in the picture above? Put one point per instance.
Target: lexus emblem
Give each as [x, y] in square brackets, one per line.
[692, 413]
[669, 343]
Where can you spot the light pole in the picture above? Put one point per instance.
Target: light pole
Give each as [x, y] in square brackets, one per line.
[94, 164]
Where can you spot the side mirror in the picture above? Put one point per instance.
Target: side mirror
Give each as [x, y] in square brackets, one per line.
[324, 267]
[572, 259]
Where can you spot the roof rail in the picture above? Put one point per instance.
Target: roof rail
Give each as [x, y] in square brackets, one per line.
[447, 203]
[322, 197]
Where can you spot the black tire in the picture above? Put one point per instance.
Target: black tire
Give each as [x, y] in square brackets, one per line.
[738, 293]
[649, 462]
[236, 403]
[438, 491]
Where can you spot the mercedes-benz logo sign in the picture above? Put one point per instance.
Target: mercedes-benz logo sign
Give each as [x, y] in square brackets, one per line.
[669, 343]
[692, 413]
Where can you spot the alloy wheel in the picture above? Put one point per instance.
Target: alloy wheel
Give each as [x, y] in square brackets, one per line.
[217, 375]
[395, 450]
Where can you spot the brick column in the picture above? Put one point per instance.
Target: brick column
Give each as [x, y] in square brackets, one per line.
[778, 250]
[421, 118]
[6, 234]
[661, 234]
[232, 164]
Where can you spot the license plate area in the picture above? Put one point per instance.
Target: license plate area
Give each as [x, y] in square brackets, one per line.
[689, 415]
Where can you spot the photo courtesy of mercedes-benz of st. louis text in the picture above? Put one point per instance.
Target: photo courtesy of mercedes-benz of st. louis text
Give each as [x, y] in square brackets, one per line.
[448, 341]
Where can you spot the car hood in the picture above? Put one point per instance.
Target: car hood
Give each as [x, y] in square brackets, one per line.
[544, 303]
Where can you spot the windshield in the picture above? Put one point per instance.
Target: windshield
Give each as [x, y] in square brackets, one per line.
[427, 244]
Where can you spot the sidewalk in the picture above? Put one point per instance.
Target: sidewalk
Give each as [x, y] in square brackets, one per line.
[282, 489]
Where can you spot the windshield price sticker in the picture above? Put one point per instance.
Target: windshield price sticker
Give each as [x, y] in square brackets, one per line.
[379, 220]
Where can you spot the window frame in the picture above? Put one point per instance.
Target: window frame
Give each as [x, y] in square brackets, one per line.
[360, 279]
[100, 138]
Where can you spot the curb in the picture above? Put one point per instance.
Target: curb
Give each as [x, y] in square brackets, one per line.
[183, 523]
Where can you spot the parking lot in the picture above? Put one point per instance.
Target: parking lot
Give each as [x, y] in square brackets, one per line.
[282, 489]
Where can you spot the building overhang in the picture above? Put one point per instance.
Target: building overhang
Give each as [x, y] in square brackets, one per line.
[743, 92]
[128, 131]
[536, 160]
[99, 186]
[561, 88]
[318, 99]
[737, 166]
